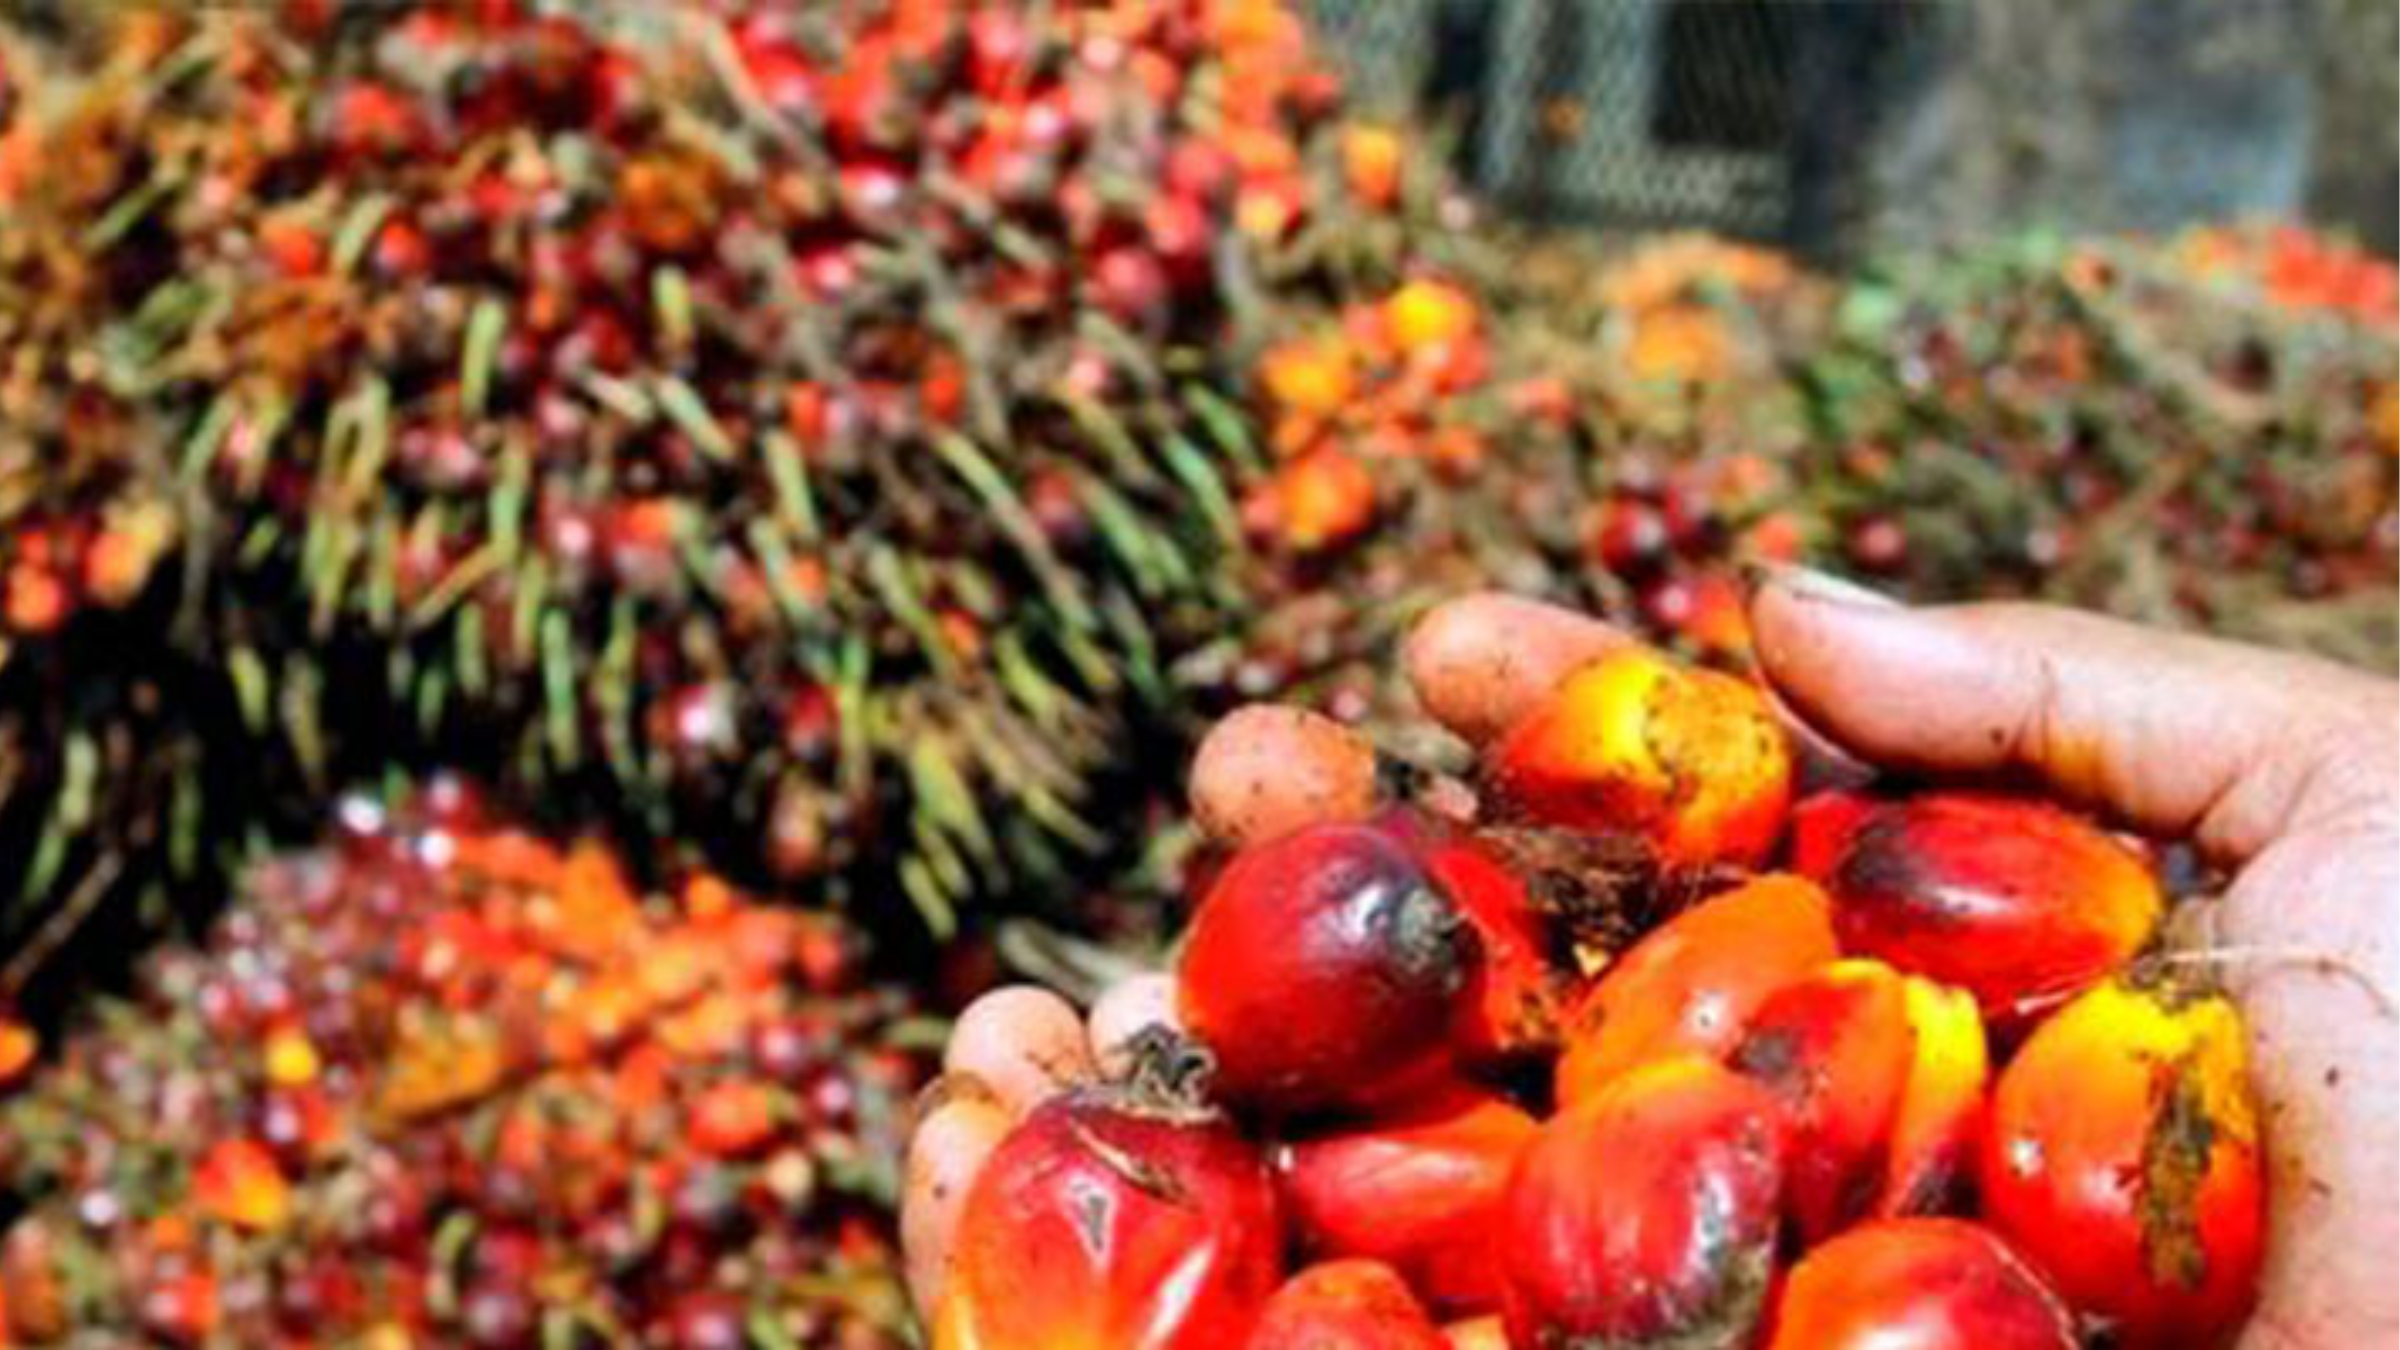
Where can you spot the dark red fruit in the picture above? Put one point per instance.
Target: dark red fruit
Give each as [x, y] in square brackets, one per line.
[1322, 971]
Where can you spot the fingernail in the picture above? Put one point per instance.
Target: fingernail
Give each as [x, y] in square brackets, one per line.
[1807, 583]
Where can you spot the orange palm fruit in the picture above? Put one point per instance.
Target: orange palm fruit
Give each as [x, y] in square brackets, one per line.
[1419, 1191]
[1346, 1305]
[1693, 983]
[238, 1183]
[1312, 376]
[2019, 903]
[1323, 970]
[1425, 315]
[1858, 1054]
[1515, 998]
[1646, 1216]
[1321, 500]
[1690, 759]
[1931, 1154]
[1919, 1284]
[19, 1047]
[2123, 1158]
[1110, 1221]
[1372, 159]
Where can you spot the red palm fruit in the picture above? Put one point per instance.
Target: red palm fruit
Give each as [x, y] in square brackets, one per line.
[1835, 1049]
[1647, 1215]
[1693, 982]
[1940, 1117]
[1346, 1305]
[734, 1118]
[1113, 1219]
[1821, 824]
[1420, 1191]
[2017, 902]
[1919, 1284]
[2122, 1156]
[1690, 759]
[1516, 997]
[1322, 970]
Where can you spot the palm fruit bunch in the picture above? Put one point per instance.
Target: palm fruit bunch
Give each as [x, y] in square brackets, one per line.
[817, 435]
[1631, 1042]
[2200, 430]
[440, 1081]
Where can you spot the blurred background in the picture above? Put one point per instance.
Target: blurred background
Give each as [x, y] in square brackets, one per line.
[1836, 128]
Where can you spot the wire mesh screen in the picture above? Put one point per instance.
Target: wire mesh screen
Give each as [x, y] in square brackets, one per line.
[1816, 122]
[1637, 112]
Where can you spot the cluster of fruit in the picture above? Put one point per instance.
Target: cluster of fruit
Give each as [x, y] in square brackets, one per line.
[1381, 384]
[2295, 268]
[441, 1082]
[1571, 1069]
[800, 427]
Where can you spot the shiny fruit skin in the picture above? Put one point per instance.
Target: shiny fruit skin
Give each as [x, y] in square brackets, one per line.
[2123, 1158]
[1100, 1224]
[1322, 970]
[2019, 903]
[1692, 983]
[1346, 1305]
[1647, 1215]
[1420, 1191]
[1919, 1284]
[1692, 760]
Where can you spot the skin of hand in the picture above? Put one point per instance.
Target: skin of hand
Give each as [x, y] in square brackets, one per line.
[2283, 769]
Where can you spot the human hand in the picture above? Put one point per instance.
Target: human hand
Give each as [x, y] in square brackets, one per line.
[2284, 769]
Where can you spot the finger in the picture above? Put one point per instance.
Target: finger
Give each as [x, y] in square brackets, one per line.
[1480, 1333]
[1021, 1042]
[948, 1149]
[1265, 771]
[2310, 950]
[1478, 663]
[1130, 1007]
[2174, 734]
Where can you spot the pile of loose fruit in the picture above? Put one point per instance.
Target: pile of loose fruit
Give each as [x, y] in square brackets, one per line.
[442, 1082]
[1638, 1051]
[2089, 423]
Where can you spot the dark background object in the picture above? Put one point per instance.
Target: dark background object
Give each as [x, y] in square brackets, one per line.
[1834, 125]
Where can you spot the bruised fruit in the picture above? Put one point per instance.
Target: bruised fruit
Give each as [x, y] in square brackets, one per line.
[1113, 1218]
[1647, 1215]
[1420, 1191]
[1346, 1305]
[1516, 998]
[1919, 1284]
[1880, 1076]
[1692, 984]
[1834, 1048]
[2123, 1158]
[1322, 970]
[2016, 901]
[1690, 759]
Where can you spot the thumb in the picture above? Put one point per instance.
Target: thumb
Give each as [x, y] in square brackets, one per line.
[2172, 734]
